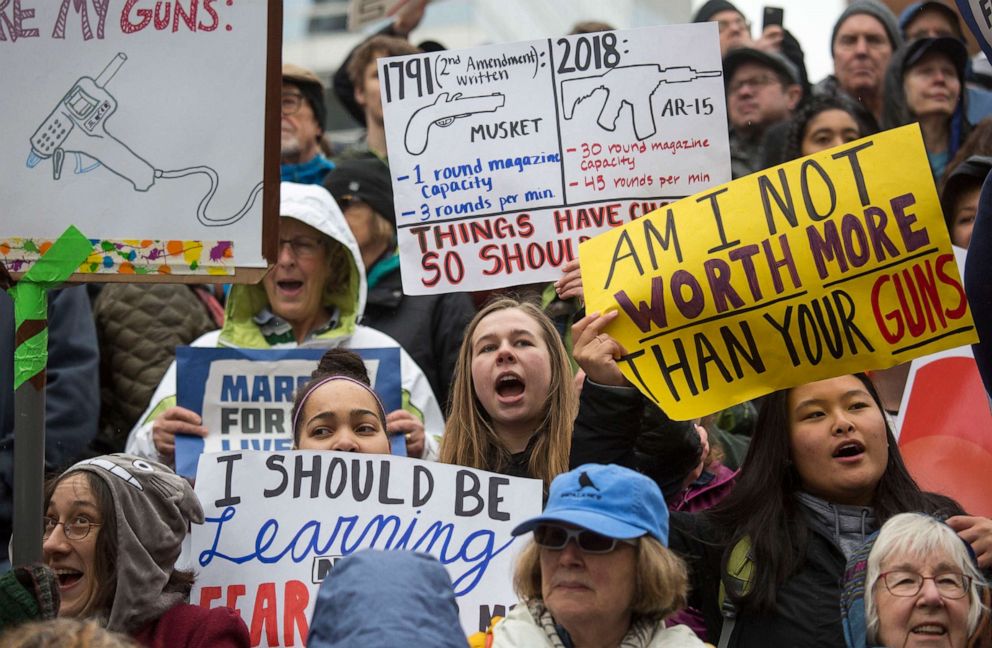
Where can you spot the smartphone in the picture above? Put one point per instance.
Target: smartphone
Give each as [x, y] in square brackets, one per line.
[772, 16]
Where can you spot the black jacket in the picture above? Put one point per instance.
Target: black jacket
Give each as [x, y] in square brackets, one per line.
[808, 603]
[429, 327]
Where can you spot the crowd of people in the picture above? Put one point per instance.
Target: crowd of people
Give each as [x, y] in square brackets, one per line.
[790, 520]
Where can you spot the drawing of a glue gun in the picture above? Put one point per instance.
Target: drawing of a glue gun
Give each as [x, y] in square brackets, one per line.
[78, 125]
[443, 112]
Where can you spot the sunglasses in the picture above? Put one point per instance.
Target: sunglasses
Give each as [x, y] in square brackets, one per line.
[552, 536]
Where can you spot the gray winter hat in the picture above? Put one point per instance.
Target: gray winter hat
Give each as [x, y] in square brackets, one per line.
[154, 507]
[876, 10]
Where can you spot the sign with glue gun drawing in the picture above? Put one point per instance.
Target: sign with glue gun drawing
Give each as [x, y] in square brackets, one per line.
[277, 522]
[144, 125]
[505, 157]
[830, 264]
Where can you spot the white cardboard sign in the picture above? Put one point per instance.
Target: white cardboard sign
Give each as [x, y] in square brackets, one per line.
[505, 157]
[277, 522]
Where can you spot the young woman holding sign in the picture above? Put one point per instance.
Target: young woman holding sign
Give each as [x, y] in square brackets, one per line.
[112, 529]
[822, 473]
[337, 409]
[512, 397]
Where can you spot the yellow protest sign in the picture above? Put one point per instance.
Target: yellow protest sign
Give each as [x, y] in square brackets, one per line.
[833, 263]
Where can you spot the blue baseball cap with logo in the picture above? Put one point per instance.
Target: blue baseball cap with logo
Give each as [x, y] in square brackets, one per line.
[611, 500]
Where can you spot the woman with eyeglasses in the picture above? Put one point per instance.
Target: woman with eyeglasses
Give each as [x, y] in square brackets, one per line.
[598, 572]
[920, 586]
[113, 528]
[822, 473]
[313, 296]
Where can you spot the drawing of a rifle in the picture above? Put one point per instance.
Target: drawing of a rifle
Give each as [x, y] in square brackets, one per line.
[632, 84]
[443, 112]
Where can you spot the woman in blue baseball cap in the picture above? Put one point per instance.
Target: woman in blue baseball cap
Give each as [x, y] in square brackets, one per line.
[598, 572]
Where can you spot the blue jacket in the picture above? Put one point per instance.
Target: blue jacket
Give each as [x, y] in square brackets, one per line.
[386, 598]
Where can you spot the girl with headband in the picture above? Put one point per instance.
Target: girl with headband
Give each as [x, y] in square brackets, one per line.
[337, 409]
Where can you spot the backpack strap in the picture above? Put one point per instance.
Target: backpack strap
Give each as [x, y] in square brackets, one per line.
[737, 580]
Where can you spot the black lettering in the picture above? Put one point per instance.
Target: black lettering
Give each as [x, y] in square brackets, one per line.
[228, 499]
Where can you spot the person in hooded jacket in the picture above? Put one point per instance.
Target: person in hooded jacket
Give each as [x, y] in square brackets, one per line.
[410, 592]
[925, 83]
[314, 297]
[113, 528]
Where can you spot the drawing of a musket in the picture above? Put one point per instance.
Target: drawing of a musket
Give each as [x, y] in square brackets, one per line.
[443, 112]
[631, 84]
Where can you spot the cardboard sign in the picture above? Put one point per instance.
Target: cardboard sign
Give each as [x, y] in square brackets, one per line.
[830, 264]
[505, 157]
[277, 522]
[245, 396]
[945, 439]
[116, 121]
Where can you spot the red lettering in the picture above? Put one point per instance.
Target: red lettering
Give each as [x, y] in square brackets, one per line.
[297, 597]
[128, 25]
[210, 594]
[962, 306]
[264, 616]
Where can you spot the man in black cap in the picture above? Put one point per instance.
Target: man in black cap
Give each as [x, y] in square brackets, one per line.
[303, 114]
[762, 89]
[429, 327]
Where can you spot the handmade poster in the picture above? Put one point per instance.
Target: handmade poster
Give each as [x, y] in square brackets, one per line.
[276, 523]
[142, 123]
[946, 441]
[833, 263]
[245, 396]
[505, 157]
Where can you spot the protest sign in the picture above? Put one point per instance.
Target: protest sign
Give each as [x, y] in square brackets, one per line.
[114, 121]
[945, 441]
[245, 396]
[277, 522]
[505, 157]
[834, 263]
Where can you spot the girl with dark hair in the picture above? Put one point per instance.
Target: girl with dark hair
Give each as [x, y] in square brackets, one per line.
[337, 409]
[823, 122]
[823, 472]
[113, 528]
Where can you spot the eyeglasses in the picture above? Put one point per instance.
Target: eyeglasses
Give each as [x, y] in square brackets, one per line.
[76, 529]
[302, 247]
[291, 102]
[754, 82]
[738, 22]
[552, 536]
[908, 583]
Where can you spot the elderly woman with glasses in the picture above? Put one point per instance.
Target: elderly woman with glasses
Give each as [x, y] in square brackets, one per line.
[314, 296]
[598, 572]
[919, 586]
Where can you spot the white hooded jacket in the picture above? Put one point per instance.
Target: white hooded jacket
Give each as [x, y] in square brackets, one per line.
[314, 206]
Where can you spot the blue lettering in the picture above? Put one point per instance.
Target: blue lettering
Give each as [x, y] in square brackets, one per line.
[233, 389]
[476, 551]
